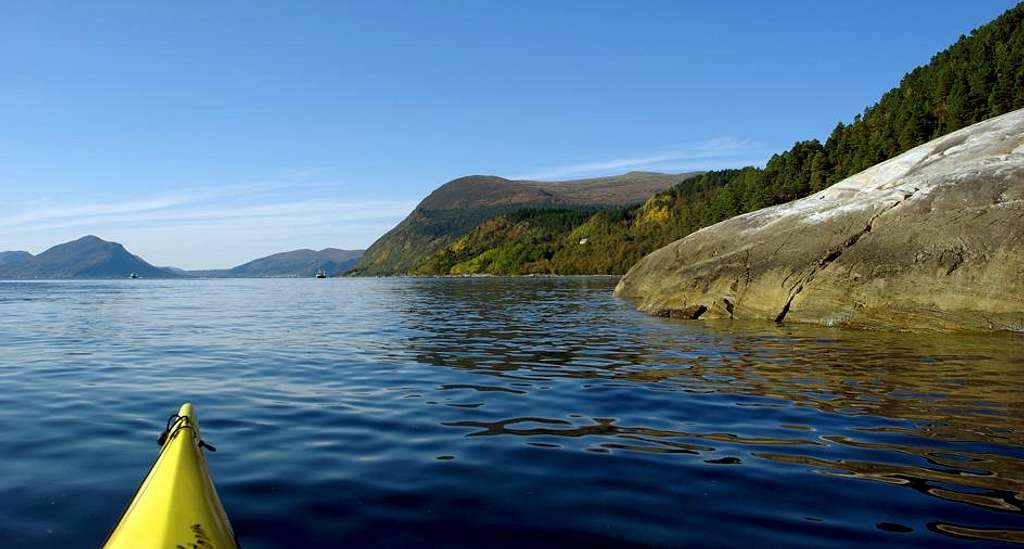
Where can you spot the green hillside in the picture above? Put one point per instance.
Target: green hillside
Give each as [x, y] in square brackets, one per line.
[978, 77]
[403, 248]
[454, 208]
[523, 241]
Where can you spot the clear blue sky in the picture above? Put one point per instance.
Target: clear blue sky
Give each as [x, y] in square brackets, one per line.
[204, 134]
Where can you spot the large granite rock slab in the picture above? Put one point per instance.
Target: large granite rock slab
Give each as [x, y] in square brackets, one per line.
[930, 240]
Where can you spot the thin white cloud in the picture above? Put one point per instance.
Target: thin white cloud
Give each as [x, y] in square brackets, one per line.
[106, 215]
[48, 209]
[85, 211]
[719, 152]
[220, 226]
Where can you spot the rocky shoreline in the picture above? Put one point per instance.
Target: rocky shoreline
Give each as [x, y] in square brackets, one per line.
[931, 240]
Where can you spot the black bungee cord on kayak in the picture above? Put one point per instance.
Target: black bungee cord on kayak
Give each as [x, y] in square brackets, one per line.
[176, 423]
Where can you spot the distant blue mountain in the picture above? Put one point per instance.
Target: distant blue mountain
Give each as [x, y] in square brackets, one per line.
[13, 258]
[298, 263]
[87, 257]
[93, 257]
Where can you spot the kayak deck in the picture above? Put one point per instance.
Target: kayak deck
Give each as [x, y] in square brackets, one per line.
[177, 504]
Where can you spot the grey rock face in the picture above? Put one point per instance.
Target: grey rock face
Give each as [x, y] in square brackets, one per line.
[930, 240]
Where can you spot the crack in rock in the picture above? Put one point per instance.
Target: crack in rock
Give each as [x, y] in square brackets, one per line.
[831, 256]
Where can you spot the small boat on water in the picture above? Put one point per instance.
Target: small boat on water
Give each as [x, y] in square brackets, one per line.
[321, 274]
[177, 504]
[134, 275]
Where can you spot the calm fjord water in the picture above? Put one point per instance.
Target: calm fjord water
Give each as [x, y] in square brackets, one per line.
[499, 412]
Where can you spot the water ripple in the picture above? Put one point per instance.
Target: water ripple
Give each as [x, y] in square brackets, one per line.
[500, 412]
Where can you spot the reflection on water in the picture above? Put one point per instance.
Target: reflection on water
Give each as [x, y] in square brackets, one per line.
[950, 393]
[504, 412]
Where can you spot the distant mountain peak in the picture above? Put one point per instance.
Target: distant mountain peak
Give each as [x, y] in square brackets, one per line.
[476, 191]
[14, 257]
[480, 177]
[295, 263]
[645, 172]
[87, 257]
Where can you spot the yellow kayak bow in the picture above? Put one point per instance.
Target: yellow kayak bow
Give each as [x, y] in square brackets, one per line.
[177, 504]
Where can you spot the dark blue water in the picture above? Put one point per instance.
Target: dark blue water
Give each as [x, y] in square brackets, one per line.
[497, 412]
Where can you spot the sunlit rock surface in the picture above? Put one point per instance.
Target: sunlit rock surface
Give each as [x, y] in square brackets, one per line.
[930, 240]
